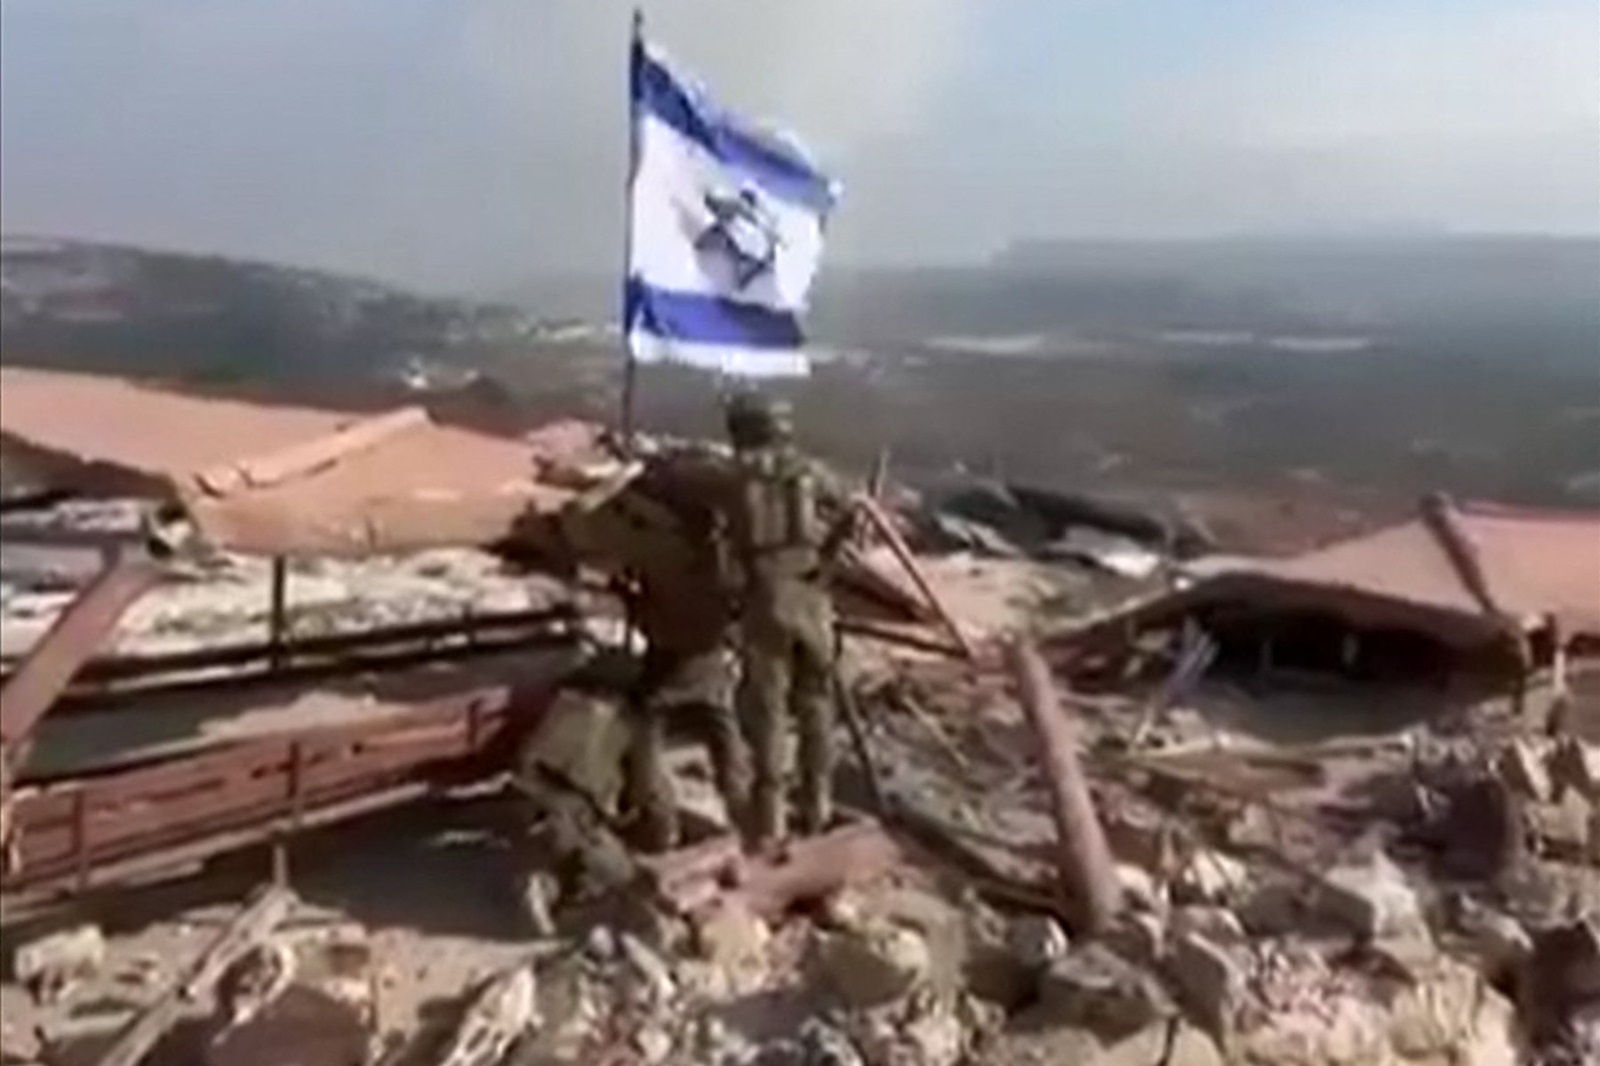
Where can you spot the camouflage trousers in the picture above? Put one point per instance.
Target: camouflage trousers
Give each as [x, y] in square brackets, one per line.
[696, 690]
[788, 675]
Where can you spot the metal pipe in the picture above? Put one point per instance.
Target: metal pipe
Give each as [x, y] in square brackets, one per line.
[277, 623]
[71, 641]
[1088, 878]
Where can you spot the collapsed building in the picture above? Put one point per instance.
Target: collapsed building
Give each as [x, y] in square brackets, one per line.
[1031, 877]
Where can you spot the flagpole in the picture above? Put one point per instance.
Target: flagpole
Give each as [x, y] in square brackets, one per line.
[630, 371]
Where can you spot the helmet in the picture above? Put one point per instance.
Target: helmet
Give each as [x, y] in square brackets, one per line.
[756, 421]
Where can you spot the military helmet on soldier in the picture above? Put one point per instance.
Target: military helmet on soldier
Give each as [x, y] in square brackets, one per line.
[756, 420]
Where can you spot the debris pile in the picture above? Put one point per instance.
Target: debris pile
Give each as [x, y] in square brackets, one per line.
[1329, 810]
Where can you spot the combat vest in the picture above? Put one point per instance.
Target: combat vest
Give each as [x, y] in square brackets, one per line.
[777, 531]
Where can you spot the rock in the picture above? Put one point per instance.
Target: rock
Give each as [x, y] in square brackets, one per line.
[1139, 938]
[1193, 1047]
[1449, 1015]
[842, 910]
[1210, 877]
[1097, 989]
[655, 976]
[1273, 909]
[1253, 827]
[1372, 900]
[51, 964]
[1209, 980]
[875, 964]
[1562, 827]
[1140, 891]
[1217, 924]
[1036, 940]
[1562, 975]
[934, 1038]
[1575, 765]
[1521, 768]
[538, 899]
[823, 1045]
[732, 937]
[601, 944]
[502, 1010]
[1497, 940]
[653, 1044]
[1143, 839]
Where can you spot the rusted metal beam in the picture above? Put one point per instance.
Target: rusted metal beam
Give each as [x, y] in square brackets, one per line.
[264, 471]
[717, 873]
[902, 552]
[67, 832]
[1088, 879]
[495, 630]
[73, 639]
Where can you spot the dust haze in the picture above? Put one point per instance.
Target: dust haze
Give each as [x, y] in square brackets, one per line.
[480, 144]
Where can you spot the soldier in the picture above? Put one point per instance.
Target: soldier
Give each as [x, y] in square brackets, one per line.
[661, 532]
[571, 770]
[780, 553]
[684, 611]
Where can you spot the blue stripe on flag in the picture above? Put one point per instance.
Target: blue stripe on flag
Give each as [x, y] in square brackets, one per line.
[776, 167]
[701, 319]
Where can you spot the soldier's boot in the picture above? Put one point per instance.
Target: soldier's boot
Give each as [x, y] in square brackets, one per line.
[813, 705]
[650, 791]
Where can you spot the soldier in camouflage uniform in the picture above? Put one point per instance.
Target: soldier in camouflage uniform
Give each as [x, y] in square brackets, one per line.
[688, 676]
[780, 552]
[571, 771]
[661, 535]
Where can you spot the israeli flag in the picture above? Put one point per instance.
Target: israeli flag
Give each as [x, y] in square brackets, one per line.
[725, 232]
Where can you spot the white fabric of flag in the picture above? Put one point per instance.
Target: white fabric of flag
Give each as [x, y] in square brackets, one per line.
[726, 232]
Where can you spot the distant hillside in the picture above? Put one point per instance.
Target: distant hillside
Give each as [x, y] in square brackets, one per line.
[92, 306]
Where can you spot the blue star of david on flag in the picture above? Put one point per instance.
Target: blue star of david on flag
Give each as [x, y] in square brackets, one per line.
[725, 232]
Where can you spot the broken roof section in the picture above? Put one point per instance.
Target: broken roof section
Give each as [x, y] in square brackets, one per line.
[282, 480]
[1465, 574]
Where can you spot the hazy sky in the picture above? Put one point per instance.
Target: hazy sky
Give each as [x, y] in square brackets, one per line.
[480, 142]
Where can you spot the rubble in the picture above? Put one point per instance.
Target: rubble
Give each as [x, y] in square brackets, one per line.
[1099, 846]
[1098, 990]
[49, 966]
[874, 964]
[1372, 900]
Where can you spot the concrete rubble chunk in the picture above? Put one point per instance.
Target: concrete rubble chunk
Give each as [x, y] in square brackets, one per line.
[504, 1008]
[1036, 940]
[878, 963]
[1143, 839]
[1139, 938]
[823, 1045]
[1217, 924]
[731, 937]
[50, 965]
[1140, 890]
[1210, 877]
[1523, 770]
[1210, 981]
[1373, 900]
[652, 971]
[1575, 765]
[1562, 827]
[1097, 989]
[1273, 909]
[1449, 1015]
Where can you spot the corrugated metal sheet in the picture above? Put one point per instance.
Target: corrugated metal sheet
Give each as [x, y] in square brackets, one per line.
[1536, 563]
[285, 480]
